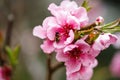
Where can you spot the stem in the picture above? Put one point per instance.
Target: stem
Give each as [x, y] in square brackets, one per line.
[89, 26]
[49, 74]
[9, 30]
[51, 69]
[57, 66]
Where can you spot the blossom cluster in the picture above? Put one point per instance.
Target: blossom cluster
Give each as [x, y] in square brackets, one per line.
[75, 44]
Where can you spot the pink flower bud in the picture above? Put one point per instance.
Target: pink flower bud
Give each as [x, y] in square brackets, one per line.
[99, 20]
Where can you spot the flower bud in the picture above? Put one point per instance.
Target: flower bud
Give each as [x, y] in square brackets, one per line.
[99, 20]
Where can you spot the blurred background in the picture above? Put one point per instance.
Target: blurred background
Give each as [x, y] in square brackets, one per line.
[30, 13]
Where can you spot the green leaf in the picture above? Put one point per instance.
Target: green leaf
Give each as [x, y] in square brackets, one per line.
[13, 55]
[109, 30]
[111, 27]
[112, 24]
[10, 55]
[16, 51]
[85, 4]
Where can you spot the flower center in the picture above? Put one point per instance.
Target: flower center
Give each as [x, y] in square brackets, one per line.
[75, 53]
[63, 33]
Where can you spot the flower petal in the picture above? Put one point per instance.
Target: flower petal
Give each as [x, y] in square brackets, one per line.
[47, 46]
[83, 45]
[85, 73]
[68, 5]
[73, 21]
[40, 32]
[51, 32]
[87, 60]
[49, 21]
[69, 48]
[60, 56]
[81, 14]
[70, 38]
[72, 66]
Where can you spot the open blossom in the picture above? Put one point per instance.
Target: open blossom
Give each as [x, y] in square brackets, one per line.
[58, 30]
[102, 42]
[115, 65]
[84, 73]
[77, 60]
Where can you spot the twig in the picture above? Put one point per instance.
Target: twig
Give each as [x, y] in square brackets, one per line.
[9, 30]
[57, 66]
[51, 69]
[49, 74]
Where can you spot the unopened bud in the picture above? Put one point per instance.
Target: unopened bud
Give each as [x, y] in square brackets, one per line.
[99, 20]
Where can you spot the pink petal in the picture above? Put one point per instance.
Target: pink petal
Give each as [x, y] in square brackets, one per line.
[59, 44]
[113, 39]
[117, 44]
[94, 52]
[85, 73]
[51, 32]
[81, 14]
[47, 46]
[97, 46]
[104, 41]
[48, 22]
[83, 45]
[70, 38]
[40, 32]
[53, 8]
[72, 66]
[68, 5]
[62, 17]
[86, 59]
[94, 64]
[60, 56]
[58, 13]
[69, 48]
[72, 20]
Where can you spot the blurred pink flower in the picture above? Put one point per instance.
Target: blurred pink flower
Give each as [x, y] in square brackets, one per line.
[77, 59]
[1, 74]
[5, 73]
[115, 65]
[59, 28]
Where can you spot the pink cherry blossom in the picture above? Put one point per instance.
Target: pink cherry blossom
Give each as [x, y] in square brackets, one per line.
[102, 42]
[115, 65]
[59, 28]
[84, 73]
[76, 58]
